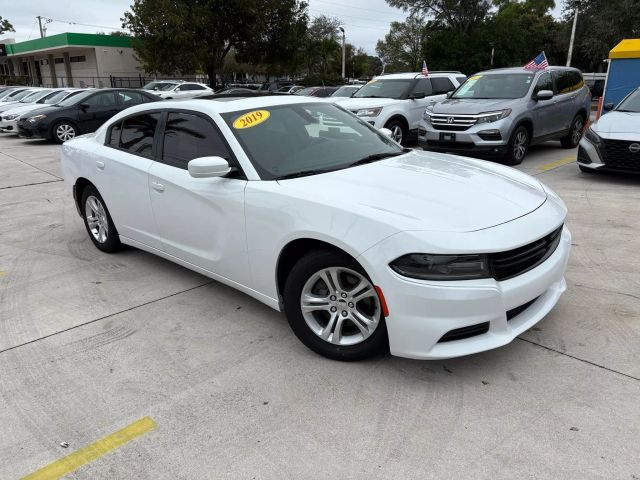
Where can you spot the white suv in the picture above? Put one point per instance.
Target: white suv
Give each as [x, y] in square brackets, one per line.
[397, 101]
[181, 90]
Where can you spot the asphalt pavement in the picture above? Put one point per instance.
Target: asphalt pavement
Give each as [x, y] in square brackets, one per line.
[128, 366]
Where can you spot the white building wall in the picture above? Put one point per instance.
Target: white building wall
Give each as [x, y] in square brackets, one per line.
[116, 61]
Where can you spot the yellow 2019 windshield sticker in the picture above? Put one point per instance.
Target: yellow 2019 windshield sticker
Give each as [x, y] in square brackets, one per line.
[250, 119]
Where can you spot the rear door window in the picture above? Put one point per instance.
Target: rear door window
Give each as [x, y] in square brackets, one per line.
[129, 97]
[188, 136]
[422, 86]
[562, 81]
[138, 133]
[102, 99]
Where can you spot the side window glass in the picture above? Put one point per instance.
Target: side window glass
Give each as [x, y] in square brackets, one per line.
[422, 86]
[137, 134]
[441, 85]
[197, 87]
[188, 136]
[131, 97]
[102, 99]
[576, 80]
[114, 135]
[561, 80]
[544, 83]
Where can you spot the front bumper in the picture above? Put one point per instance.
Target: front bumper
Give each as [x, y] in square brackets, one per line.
[605, 157]
[9, 126]
[423, 312]
[28, 130]
[468, 141]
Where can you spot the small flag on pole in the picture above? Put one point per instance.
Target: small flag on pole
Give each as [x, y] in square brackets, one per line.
[538, 63]
[425, 70]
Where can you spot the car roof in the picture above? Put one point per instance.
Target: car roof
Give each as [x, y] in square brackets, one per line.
[523, 70]
[412, 75]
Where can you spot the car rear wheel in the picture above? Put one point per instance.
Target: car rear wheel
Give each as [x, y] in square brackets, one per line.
[575, 133]
[518, 145]
[333, 307]
[97, 221]
[398, 130]
[63, 131]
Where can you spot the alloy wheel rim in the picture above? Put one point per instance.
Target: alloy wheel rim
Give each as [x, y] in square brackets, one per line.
[520, 145]
[97, 219]
[340, 306]
[396, 133]
[65, 132]
[577, 131]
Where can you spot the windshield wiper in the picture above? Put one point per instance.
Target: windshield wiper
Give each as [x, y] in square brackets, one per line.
[375, 157]
[305, 173]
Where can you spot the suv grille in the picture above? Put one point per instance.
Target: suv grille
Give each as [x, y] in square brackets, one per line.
[505, 265]
[618, 155]
[455, 123]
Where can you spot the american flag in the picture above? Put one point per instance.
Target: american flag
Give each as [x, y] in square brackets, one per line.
[538, 63]
[425, 70]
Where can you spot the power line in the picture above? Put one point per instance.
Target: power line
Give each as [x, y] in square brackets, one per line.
[85, 24]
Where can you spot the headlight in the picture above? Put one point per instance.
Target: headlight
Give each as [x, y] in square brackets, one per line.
[491, 117]
[11, 117]
[592, 136]
[369, 112]
[427, 113]
[36, 118]
[442, 267]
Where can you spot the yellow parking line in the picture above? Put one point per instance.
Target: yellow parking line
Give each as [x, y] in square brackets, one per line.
[559, 163]
[3, 273]
[93, 451]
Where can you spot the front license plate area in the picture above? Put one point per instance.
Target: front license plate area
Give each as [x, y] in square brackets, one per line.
[447, 137]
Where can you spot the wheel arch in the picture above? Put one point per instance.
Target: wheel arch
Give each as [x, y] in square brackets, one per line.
[401, 118]
[294, 251]
[528, 124]
[55, 123]
[78, 189]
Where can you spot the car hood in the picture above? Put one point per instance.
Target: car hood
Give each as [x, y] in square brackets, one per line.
[618, 122]
[426, 191]
[471, 106]
[44, 110]
[351, 103]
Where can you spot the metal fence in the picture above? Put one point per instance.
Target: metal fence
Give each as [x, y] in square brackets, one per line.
[93, 82]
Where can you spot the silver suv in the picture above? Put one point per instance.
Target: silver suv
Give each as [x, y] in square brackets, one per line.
[500, 113]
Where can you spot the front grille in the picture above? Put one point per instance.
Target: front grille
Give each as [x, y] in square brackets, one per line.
[465, 332]
[618, 155]
[505, 265]
[514, 312]
[454, 123]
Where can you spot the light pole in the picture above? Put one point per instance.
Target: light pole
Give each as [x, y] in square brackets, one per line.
[343, 51]
[493, 49]
[573, 36]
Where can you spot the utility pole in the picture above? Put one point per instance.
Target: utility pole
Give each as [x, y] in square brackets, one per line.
[493, 49]
[40, 25]
[573, 36]
[343, 51]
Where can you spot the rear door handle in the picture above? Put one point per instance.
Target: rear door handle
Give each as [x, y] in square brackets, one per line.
[100, 165]
[158, 187]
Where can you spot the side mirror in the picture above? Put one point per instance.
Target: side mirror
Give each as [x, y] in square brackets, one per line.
[386, 132]
[208, 167]
[84, 106]
[608, 107]
[418, 96]
[544, 95]
[449, 94]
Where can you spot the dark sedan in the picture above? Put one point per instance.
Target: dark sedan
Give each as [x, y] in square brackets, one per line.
[316, 91]
[82, 113]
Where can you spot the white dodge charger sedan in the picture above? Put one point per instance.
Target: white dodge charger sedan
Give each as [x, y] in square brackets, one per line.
[364, 245]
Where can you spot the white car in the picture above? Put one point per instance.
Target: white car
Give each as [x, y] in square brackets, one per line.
[397, 101]
[9, 118]
[181, 90]
[364, 245]
[16, 95]
[613, 142]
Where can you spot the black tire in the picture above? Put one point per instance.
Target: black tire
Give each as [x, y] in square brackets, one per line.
[58, 129]
[111, 243]
[398, 130]
[575, 133]
[302, 272]
[515, 154]
[587, 170]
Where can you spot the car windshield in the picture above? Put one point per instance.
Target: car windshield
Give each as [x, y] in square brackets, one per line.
[305, 92]
[495, 85]
[344, 92]
[305, 139]
[72, 100]
[35, 96]
[384, 89]
[57, 96]
[18, 96]
[631, 103]
[283, 89]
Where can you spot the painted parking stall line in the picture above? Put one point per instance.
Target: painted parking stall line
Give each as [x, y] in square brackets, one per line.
[91, 452]
[563, 161]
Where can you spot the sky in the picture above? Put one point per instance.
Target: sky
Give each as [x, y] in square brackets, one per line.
[364, 21]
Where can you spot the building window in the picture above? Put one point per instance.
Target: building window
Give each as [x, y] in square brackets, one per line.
[44, 61]
[79, 58]
[58, 60]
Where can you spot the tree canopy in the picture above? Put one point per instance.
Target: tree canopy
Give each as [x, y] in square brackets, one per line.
[5, 26]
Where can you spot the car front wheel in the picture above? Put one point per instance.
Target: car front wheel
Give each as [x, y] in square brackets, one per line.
[398, 131]
[98, 222]
[63, 131]
[518, 145]
[333, 307]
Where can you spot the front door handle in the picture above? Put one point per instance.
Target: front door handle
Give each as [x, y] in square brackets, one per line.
[158, 187]
[100, 165]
